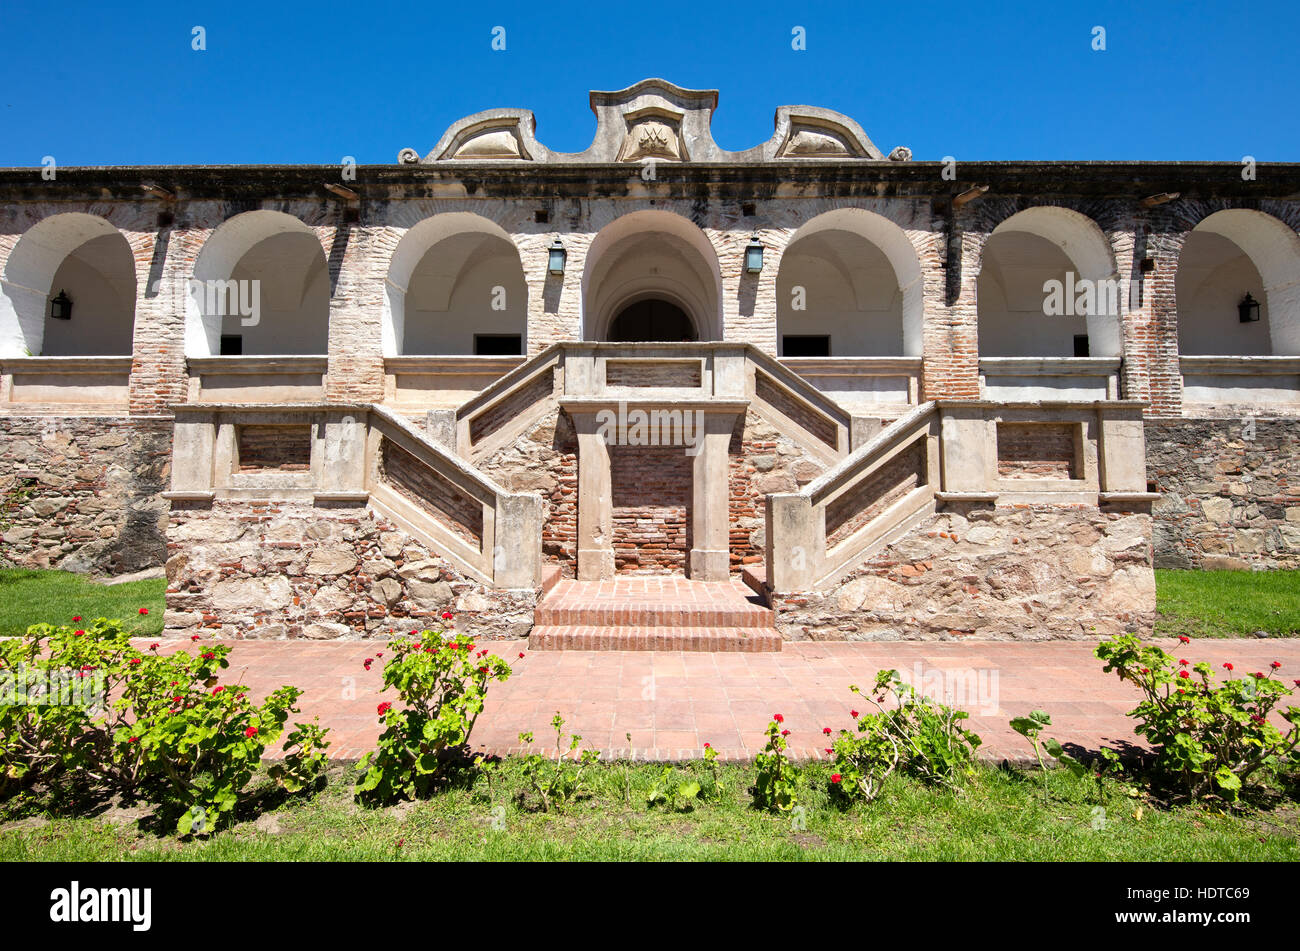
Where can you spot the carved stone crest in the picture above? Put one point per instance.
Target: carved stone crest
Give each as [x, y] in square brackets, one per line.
[652, 135]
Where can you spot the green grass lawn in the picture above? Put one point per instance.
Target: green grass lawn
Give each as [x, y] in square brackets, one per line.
[55, 597]
[1001, 815]
[1227, 603]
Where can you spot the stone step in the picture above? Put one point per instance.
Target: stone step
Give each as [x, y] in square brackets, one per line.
[546, 637]
[561, 612]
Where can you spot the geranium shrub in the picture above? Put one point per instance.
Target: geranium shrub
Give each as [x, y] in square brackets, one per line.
[441, 679]
[776, 787]
[918, 736]
[137, 723]
[1212, 739]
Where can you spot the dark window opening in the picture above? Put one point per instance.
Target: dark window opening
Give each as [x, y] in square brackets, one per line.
[498, 345]
[541, 216]
[232, 345]
[749, 209]
[805, 345]
[655, 320]
[1080, 345]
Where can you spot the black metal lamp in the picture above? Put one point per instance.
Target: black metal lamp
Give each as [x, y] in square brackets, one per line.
[61, 306]
[1248, 309]
[754, 255]
[557, 255]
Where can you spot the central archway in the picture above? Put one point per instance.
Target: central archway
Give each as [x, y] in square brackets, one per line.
[652, 256]
[652, 319]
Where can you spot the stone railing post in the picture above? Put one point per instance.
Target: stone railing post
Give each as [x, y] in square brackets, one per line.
[796, 542]
[517, 554]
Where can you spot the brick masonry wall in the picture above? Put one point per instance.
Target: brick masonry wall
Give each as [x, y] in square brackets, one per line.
[274, 447]
[82, 493]
[1227, 501]
[651, 488]
[454, 508]
[846, 514]
[1006, 573]
[250, 569]
[1036, 451]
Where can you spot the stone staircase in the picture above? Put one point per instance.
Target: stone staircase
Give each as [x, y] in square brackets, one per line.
[653, 612]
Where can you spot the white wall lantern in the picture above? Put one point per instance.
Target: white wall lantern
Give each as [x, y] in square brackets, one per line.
[557, 256]
[754, 255]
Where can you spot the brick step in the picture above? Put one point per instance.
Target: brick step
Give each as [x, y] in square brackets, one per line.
[738, 614]
[547, 637]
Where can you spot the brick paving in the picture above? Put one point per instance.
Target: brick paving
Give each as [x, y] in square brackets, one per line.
[672, 702]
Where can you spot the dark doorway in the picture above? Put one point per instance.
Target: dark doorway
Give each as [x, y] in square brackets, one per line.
[655, 320]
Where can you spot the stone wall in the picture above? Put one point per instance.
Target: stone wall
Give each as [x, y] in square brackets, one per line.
[255, 569]
[1230, 492]
[83, 493]
[1006, 573]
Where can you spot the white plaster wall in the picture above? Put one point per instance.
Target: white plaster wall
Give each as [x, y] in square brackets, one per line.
[99, 277]
[1010, 296]
[446, 305]
[850, 292]
[1213, 276]
[295, 296]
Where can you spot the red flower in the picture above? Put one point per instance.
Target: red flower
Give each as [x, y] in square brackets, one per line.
[209, 656]
[368, 661]
[454, 646]
[835, 777]
[521, 654]
[251, 731]
[384, 707]
[826, 730]
[76, 619]
[778, 718]
[1183, 673]
[785, 732]
[447, 615]
[153, 647]
[854, 714]
[134, 661]
[1183, 639]
[144, 610]
[1182, 663]
[1276, 664]
[379, 653]
[1257, 718]
[78, 633]
[1258, 675]
[482, 670]
[134, 739]
[707, 746]
[1146, 670]
[217, 690]
[194, 637]
[177, 698]
[1296, 682]
[1227, 667]
[829, 750]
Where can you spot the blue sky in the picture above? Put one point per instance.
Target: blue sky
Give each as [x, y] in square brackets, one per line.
[113, 83]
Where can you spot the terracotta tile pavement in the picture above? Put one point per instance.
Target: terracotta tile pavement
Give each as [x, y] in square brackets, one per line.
[672, 702]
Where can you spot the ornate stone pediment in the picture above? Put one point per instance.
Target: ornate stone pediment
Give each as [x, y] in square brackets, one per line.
[653, 134]
[655, 120]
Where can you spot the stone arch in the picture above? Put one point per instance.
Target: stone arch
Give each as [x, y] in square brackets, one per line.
[651, 254]
[1025, 251]
[267, 261]
[464, 266]
[88, 258]
[1227, 254]
[857, 262]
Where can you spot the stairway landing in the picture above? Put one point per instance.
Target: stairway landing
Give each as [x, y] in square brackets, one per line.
[654, 612]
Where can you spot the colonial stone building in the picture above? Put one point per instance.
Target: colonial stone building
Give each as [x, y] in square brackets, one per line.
[883, 398]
